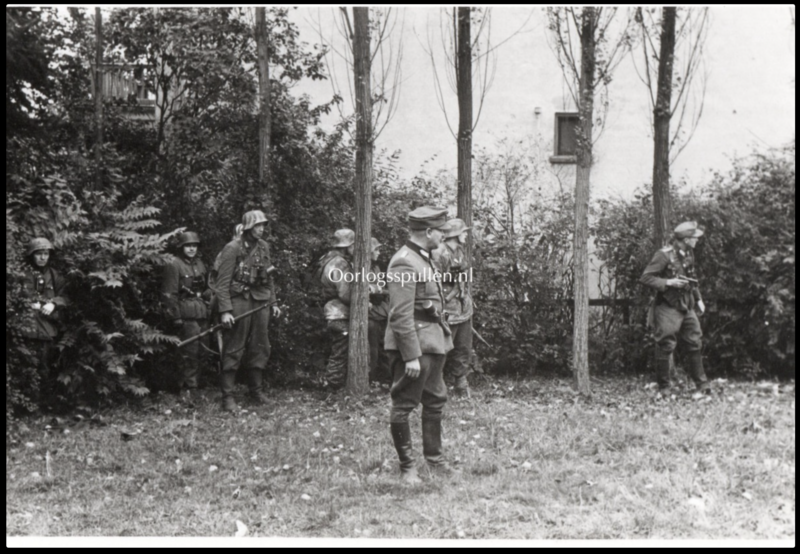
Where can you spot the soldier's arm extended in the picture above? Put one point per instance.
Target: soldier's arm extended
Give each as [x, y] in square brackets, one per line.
[401, 308]
[170, 287]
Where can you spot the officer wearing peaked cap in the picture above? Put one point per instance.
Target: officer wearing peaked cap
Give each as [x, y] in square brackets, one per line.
[417, 340]
[243, 283]
[184, 288]
[334, 271]
[671, 273]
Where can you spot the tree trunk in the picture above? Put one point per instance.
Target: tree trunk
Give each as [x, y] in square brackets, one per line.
[98, 99]
[464, 89]
[358, 362]
[580, 346]
[264, 113]
[662, 202]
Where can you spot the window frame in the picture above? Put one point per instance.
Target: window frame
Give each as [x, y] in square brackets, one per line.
[558, 158]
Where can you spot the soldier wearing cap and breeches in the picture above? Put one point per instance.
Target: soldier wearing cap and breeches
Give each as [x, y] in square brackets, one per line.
[451, 256]
[417, 340]
[673, 311]
[185, 291]
[243, 283]
[43, 290]
[335, 272]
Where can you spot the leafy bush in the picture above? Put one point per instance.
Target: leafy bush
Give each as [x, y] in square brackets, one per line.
[745, 264]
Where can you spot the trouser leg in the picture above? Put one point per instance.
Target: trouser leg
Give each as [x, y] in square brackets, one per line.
[336, 371]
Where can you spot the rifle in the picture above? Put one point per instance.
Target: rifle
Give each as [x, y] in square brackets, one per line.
[219, 326]
[480, 338]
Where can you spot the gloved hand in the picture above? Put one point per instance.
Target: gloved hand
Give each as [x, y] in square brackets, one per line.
[275, 311]
[48, 308]
[701, 307]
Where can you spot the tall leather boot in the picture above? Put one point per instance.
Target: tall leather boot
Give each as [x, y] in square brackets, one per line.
[228, 384]
[432, 447]
[256, 377]
[694, 362]
[401, 436]
[662, 372]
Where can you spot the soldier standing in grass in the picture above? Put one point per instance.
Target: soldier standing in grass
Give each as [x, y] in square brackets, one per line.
[335, 272]
[671, 273]
[417, 340]
[378, 312]
[185, 291]
[451, 257]
[43, 289]
[243, 283]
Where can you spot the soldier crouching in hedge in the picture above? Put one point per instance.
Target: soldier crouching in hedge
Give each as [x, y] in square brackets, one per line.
[185, 291]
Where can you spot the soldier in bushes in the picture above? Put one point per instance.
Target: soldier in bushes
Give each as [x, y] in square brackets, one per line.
[243, 283]
[43, 289]
[185, 291]
[674, 312]
[451, 257]
[378, 312]
[332, 268]
[418, 339]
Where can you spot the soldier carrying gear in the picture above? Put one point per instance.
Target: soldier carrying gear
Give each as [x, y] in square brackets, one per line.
[185, 291]
[416, 343]
[334, 271]
[673, 310]
[451, 257]
[43, 289]
[244, 282]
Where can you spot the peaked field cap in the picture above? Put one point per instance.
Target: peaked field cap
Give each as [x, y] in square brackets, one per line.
[688, 230]
[428, 217]
[343, 238]
[457, 226]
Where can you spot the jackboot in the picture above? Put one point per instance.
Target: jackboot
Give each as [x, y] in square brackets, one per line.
[401, 436]
[462, 386]
[662, 373]
[432, 448]
[228, 384]
[257, 386]
[694, 362]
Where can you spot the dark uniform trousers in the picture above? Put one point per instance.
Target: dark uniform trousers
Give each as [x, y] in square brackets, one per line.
[670, 326]
[190, 354]
[379, 368]
[336, 371]
[428, 389]
[247, 343]
[458, 358]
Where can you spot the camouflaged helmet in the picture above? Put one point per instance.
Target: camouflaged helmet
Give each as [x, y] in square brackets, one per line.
[189, 237]
[457, 226]
[253, 218]
[343, 238]
[39, 243]
[374, 244]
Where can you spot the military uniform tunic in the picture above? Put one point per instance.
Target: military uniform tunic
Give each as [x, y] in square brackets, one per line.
[334, 267]
[414, 332]
[243, 284]
[455, 270]
[185, 288]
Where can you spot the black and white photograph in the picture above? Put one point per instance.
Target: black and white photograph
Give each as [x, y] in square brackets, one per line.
[400, 276]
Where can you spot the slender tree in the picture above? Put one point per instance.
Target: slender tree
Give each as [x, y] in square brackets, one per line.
[358, 363]
[464, 87]
[264, 112]
[98, 98]
[676, 86]
[585, 77]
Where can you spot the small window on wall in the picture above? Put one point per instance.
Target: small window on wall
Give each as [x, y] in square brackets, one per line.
[566, 138]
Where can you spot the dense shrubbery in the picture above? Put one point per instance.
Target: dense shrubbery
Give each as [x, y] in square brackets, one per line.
[745, 264]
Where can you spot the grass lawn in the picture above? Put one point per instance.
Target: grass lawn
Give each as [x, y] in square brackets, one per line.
[536, 461]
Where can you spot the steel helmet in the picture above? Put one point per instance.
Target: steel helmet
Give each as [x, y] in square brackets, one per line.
[343, 238]
[374, 244]
[189, 237]
[457, 226]
[253, 218]
[39, 243]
